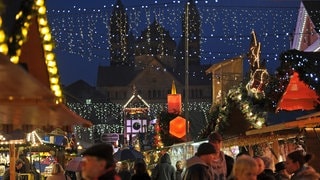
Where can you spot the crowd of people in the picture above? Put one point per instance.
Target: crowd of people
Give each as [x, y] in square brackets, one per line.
[22, 166]
[208, 163]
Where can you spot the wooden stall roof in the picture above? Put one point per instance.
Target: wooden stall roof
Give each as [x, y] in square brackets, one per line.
[271, 133]
[249, 140]
[24, 100]
[298, 96]
[303, 123]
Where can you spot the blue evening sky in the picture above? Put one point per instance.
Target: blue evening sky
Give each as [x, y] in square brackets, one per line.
[80, 29]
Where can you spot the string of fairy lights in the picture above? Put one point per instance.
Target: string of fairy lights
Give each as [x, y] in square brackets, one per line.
[106, 112]
[225, 31]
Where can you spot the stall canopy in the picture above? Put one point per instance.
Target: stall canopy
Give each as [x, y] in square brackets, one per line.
[25, 103]
[298, 96]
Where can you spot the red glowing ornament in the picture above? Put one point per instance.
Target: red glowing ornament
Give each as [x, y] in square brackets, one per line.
[157, 128]
[177, 127]
[174, 101]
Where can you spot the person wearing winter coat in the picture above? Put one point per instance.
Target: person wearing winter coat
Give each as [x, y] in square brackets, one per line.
[140, 171]
[281, 172]
[58, 173]
[244, 168]
[18, 165]
[164, 170]
[179, 170]
[124, 172]
[296, 165]
[199, 166]
[223, 164]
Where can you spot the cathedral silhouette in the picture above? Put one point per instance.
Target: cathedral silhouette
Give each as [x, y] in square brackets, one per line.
[153, 60]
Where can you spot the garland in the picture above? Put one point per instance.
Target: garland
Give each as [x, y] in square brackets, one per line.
[251, 108]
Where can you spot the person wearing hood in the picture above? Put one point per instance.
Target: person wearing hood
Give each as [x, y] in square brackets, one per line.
[164, 170]
[199, 166]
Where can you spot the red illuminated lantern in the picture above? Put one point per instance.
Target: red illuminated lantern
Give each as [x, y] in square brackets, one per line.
[174, 101]
[177, 127]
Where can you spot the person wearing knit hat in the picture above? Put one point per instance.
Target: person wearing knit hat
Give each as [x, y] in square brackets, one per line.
[206, 148]
[198, 166]
[98, 163]
[222, 166]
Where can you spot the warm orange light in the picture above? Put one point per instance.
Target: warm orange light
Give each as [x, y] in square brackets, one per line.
[298, 96]
[174, 100]
[177, 127]
[174, 103]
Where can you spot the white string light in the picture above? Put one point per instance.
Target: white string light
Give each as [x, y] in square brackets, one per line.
[85, 32]
[105, 112]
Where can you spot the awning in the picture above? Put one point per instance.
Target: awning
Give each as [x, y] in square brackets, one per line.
[298, 96]
[297, 124]
[24, 101]
[39, 115]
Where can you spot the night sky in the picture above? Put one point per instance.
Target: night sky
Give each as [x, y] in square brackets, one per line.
[81, 29]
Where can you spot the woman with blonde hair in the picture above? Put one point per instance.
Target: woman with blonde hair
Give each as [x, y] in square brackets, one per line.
[57, 173]
[124, 172]
[245, 167]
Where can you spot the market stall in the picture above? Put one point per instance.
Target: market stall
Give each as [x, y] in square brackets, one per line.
[276, 141]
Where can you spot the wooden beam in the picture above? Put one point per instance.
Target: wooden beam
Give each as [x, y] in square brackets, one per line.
[12, 152]
[311, 122]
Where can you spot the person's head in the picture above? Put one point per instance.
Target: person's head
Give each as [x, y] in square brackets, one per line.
[280, 168]
[216, 140]
[295, 160]
[124, 166]
[260, 164]
[242, 153]
[57, 169]
[140, 167]
[179, 165]
[96, 160]
[268, 162]
[19, 163]
[245, 167]
[165, 158]
[22, 156]
[206, 152]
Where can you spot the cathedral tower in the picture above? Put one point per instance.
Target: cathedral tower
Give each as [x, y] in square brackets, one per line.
[119, 41]
[191, 22]
[155, 40]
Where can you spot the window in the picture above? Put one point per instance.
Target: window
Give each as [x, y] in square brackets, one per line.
[149, 94]
[88, 101]
[154, 94]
